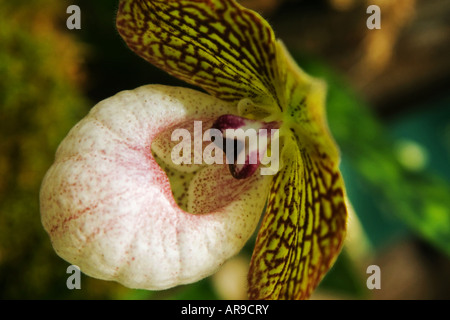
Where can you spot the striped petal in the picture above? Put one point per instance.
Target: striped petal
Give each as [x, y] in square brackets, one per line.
[303, 228]
[216, 44]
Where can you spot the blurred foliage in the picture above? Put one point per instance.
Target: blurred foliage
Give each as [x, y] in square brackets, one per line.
[419, 198]
[392, 198]
[48, 81]
[40, 101]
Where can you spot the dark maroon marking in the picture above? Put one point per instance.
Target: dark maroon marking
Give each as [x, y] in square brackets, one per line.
[229, 121]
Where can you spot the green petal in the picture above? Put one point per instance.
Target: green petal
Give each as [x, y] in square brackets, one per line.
[216, 44]
[303, 228]
[303, 100]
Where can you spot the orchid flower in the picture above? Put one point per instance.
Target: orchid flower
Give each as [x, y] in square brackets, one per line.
[117, 205]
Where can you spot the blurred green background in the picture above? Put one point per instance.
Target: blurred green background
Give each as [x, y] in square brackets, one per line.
[388, 107]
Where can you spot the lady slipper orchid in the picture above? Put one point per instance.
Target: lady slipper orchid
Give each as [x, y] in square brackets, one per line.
[127, 201]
